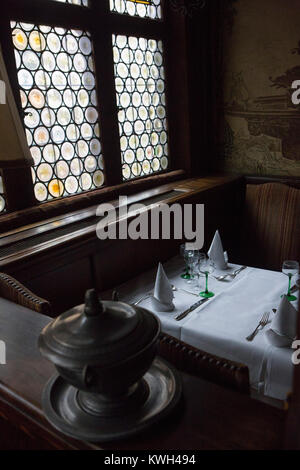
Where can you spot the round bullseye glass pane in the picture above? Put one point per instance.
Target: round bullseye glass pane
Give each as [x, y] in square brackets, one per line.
[54, 43]
[76, 166]
[56, 188]
[85, 45]
[85, 181]
[25, 79]
[32, 118]
[51, 153]
[48, 61]
[69, 98]
[54, 98]
[36, 98]
[63, 116]
[44, 172]
[71, 185]
[40, 192]
[30, 60]
[48, 117]
[67, 151]
[90, 164]
[37, 41]
[98, 179]
[95, 147]
[61, 169]
[19, 39]
[41, 136]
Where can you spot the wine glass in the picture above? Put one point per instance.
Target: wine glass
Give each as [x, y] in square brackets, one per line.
[206, 267]
[186, 275]
[290, 269]
[192, 259]
[196, 272]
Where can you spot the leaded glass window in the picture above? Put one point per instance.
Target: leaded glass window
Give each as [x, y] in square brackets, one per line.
[2, 197]
[57, 85]
[83, 3]
[142, 8]
[140, 89]
[106, 50]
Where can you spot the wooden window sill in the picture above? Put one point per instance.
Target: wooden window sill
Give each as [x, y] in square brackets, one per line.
[47, 210]
[72, 227]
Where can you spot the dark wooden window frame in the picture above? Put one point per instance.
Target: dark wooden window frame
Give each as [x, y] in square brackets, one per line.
[102, 24]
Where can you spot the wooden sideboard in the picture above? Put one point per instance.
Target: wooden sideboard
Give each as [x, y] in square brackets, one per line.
[208, 416]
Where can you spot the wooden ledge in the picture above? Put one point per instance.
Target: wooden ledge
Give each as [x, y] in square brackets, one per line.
[31, 240]
[47, 210]
[79, 204]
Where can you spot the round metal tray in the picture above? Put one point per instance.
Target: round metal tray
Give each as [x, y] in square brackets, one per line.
[62, 408]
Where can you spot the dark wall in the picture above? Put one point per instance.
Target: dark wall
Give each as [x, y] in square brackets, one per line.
[244, 56]
[261, 59]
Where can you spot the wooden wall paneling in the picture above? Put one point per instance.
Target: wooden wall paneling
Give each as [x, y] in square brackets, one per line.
[125, 259]
[223, 210]
[66, 286]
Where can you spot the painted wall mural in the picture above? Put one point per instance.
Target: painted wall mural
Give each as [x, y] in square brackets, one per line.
[261, 132]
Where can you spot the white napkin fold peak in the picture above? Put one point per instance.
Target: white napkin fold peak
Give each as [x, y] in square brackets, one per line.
[216, 253]
[163, 294]
[283, 328]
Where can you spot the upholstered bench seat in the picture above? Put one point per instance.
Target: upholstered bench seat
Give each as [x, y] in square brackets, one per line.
[271, 225]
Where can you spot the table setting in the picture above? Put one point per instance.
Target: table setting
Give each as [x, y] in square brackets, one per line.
[241, 313]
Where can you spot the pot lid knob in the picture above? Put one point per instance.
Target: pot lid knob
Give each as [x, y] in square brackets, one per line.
[93, 305]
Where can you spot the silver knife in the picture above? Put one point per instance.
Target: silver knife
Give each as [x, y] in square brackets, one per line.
[189, 310]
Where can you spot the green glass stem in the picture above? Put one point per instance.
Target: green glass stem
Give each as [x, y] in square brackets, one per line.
[290, 297]
[186, 274]
[206, 293]
[290, 282]
[206, 282]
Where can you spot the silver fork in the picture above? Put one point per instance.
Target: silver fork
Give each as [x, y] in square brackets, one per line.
[263, 322]
[232, 275]
[143, 298]
[115, 296]
[174, 288]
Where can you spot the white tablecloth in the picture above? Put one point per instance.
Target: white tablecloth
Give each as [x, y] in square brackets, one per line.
[221, 325]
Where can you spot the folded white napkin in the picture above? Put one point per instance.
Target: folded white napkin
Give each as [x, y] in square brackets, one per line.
[284, 325]
[216, 252]
[162, 299]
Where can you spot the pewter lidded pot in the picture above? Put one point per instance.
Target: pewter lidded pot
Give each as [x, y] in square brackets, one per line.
[102, 351]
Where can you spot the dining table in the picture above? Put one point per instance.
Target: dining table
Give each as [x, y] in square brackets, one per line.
[220, 325]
